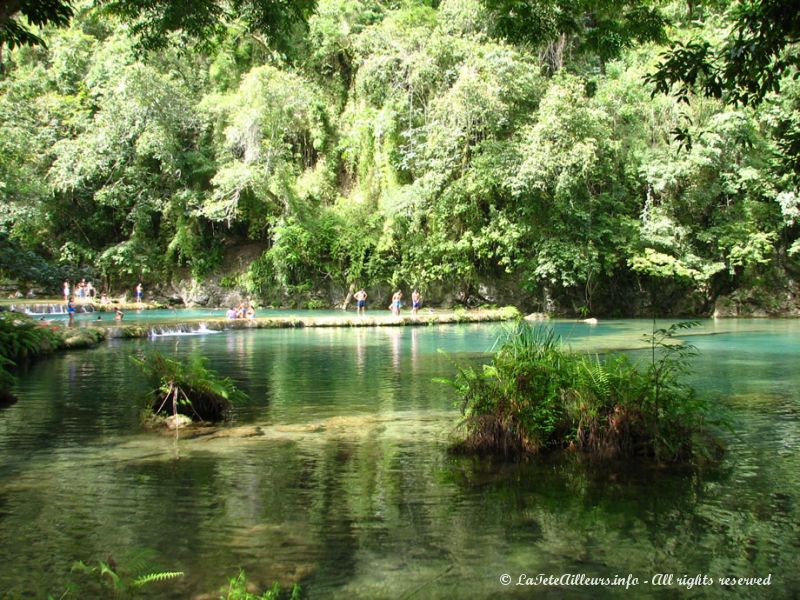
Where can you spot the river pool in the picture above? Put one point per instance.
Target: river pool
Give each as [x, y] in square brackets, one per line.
[335, 474]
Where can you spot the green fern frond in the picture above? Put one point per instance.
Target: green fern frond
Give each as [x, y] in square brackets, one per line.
[153, 577]
[140, 562]
[105, 569]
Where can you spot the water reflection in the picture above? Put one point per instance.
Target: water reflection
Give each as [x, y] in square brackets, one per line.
[336, 474]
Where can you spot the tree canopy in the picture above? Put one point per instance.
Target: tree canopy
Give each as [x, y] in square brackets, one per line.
[153, 21]
[441, 145]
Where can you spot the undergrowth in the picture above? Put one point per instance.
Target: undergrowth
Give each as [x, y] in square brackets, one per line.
[537, 396]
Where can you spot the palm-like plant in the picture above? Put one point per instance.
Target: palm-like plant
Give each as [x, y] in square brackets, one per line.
[188, 387]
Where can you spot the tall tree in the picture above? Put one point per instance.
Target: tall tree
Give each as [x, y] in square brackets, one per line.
[154, 20]
[746, 66]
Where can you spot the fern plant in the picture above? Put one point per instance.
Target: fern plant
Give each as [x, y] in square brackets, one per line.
[107, 578]
[188, 387]
[21, 339]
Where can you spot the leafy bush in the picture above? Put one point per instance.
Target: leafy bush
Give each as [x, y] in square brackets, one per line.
[537, 396]
[189, 388]
[316, 304]
[21, 339]
[237, 590]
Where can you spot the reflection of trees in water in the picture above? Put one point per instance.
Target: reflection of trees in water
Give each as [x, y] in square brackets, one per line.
[414, 334]
[394, 335]
[76, 397]
[611, 518]
[381, 510]
[361, 351]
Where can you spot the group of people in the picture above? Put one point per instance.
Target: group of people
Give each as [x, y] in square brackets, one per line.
[83, 290]
[86, 292]
[397, 302]
[241, 312]
[118, 314]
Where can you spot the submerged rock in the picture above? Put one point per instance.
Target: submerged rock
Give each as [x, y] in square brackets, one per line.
[82, 337]
[537, 316]
[178, 421]
[7, 399]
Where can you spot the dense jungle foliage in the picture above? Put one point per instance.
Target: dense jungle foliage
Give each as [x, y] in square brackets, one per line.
[502, 154]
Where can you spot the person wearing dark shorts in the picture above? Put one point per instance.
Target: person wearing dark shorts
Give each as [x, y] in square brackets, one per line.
[416, 300]
[361, 302]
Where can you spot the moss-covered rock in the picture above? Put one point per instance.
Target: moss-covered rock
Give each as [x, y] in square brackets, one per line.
[82, 337]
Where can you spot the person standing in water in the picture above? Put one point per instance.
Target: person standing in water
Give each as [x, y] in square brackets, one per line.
[361, 302]
[396, 301]
[71, 310]
[66, 291]
[416, 300]
[139, 290]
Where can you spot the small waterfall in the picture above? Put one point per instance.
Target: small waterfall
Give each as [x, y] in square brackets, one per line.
[648, 204]
[157, 331]
[37, 310]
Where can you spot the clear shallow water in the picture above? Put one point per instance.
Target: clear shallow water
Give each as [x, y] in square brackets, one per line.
[182, 314]
[346, 484]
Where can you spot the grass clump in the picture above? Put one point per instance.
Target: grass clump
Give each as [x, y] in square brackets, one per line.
[237, 590]
[537, 396]
[188, 387]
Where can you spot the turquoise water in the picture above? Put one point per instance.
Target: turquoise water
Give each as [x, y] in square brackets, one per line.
[183, 314]
[335, 474]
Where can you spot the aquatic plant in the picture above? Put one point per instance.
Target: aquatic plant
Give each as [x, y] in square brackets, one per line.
[188, 387]
[126, 578]
[237, 590]
[537, 396]
[108, 578]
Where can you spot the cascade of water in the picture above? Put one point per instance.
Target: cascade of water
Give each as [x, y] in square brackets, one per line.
[648, 203]
[180, 329]
[36, 310]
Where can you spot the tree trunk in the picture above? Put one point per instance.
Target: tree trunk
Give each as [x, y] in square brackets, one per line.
[349, 296]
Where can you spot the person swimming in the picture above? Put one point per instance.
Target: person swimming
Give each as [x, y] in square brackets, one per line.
[118, 315]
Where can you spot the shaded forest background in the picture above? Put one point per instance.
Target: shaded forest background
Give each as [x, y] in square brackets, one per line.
[483, 151]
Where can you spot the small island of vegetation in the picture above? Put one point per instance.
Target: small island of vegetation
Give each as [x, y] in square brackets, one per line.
[188, 387]
[537, 396]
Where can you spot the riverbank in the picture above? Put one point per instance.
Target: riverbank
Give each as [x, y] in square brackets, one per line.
[57, 306]
[205, 325]
[87, 334]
